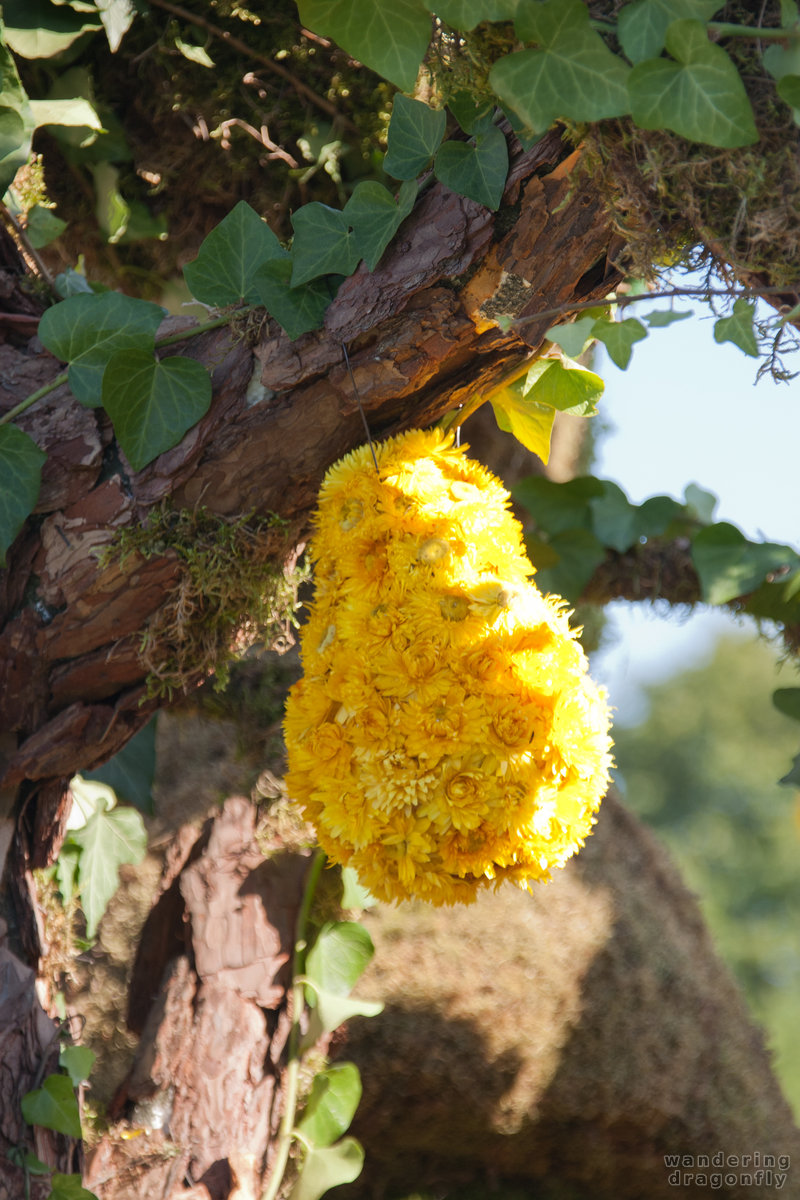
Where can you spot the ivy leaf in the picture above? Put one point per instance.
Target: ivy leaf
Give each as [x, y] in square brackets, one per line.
[614, 518]
[229, 258]
[73, 113]
[700, 97]
[69, 1187]
[324, 243]
[21, 463]
[642, 26]
[738, 328]
[473, 113]
[478, 171]
[117, 17]
[789, 90]
[67, 870]
[77, 1061]
[573, 74]
[655, 516]
[43, 226]
[578, 553]
[558, 507]
[106, 841]
[572, 337]
[325, 1167]
[331, 1010]
[566, 386]
[86, 330]
[297, 309]
[619, 337]
[335, 1094]
[415, 132]
[787, 701]
[661, 318]
[354, 894]
[39, 29]
[131, 772]
[152, 404]
[53, 1106]
[700, 504]
[530, 423]
[339, 956]
[16, 119]
[728, 565]
[375, 217]
[391, 39]
[466, 14]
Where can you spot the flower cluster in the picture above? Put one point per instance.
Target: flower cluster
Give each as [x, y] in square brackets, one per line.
[445, 735]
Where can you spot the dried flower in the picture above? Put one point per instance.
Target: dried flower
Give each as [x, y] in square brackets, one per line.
[445, 735]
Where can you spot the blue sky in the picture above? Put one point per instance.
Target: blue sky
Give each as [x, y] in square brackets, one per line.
[686, 410]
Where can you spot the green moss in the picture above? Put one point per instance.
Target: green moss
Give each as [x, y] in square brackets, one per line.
[229, 595]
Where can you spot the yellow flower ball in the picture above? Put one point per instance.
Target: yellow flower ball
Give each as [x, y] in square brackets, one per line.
[445, 735]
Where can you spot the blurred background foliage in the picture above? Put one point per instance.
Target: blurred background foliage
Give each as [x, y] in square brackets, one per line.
[701, 769]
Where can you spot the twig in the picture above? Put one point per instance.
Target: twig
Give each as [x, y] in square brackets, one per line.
[28, 248]
[321, 101]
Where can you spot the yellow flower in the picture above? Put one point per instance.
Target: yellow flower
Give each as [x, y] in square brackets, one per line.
[446, 736]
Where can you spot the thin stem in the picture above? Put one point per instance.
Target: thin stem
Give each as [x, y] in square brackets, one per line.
[457, 416]
[195, 330]
[724, 29]
[25, 242]
[29, 401]
[286, 1133]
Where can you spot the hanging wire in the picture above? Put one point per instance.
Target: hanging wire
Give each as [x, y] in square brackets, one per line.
[360, 405]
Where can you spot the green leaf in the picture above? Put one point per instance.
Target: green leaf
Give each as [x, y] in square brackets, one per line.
[478, 171]
[195, 54]
[106, 841]
[111, 208]
[473, 113]
[661, 318]
[326, 1167]
[700, 503]
[354, 894]
[573, 74]
[729, 566]
[86, 331]
[375, 217]
[619, 337]
[43, 226]
[565, 385]
[331, 1106]
[324, 243]
[738, 328]
[558, 507]
[53, 1106]
[21, 463]
[152, 404]
[131, 772]
[614, 518]
[39, 29]
[642, 27]
[787, 701]
[415, 132]
[339, 956]
[230, 257]
[298, 310]
[77, 1061]
[579, 554]
[466, 14]
[72, 283]
[69, 1187]
[700, 97]
[67, 870]
[74, 112]
[789, 90]
[573, 337]
[117, 17]
[529, 422]
[331, 1010]
[655, 515]
[391, 39]
[16, 120]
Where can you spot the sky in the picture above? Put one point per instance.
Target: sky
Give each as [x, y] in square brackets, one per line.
[687, 410]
